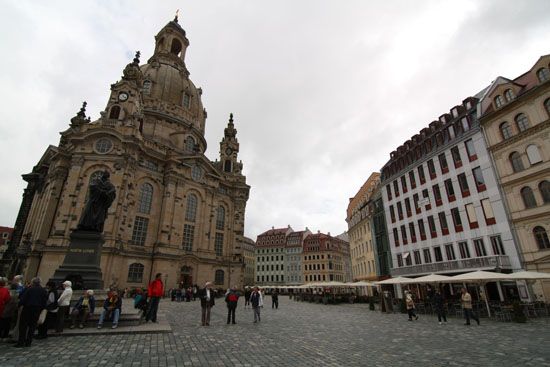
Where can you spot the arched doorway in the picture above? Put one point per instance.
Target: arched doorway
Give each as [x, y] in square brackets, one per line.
[186, 277]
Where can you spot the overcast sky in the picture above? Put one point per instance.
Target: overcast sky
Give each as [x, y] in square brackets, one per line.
[322, 91]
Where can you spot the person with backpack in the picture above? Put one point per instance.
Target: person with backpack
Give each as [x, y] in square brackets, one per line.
[231, 299]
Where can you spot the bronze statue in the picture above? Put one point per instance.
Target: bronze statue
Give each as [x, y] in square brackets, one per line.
[101, 196]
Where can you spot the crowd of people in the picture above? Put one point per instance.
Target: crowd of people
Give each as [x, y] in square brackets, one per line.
[30, 311]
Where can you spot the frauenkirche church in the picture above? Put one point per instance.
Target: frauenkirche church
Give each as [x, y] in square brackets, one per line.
[176, 212]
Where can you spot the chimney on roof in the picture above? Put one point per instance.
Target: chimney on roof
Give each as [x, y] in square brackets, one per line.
[272, 227]
[328, 233]
[307, 229]
[288, 226]
[318, 232]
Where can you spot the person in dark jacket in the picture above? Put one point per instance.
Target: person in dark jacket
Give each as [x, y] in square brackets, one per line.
[83, 309]
[275, 299]
[33, 300]
[51, 316]
[206, 296]
[247, 293]
[111, 308]
[256, 300]
[439, 304]
[231, 299]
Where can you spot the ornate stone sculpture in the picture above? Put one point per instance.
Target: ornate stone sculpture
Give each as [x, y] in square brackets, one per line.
[101, 196]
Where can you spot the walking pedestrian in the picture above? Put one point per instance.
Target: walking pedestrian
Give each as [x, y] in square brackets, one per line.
[18, 283]
[64, 302]
[439, 303]
[33, 300]
[410, 307]
[155, 291]
[9, 314]
[257, 302]
[206, 296]
[275, 299]
[466, 300]
[247, 293]
[231, 299]
[52, 308]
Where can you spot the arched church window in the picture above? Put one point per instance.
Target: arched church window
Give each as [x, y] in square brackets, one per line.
[227, 166]
[196, 173]
[220, 218]
[219, 277]
[189, 144]
[145, 198]
[176, 47]
[544, 188]
[191, 211]
[114, 113]
[186, 100]
[135, 273]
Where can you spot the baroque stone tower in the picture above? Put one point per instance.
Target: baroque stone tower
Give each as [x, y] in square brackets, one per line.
[176, 212]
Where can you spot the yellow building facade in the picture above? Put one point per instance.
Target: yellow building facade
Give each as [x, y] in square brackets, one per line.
[515, 117]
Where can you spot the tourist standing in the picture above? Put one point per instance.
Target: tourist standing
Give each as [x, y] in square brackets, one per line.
[207, 302]
[5, 298]
[247, 293]
[256, 301]
[33, 300]
[18, 283]
[64, 302]
[84, 308]
[466, 300]
[231, 298]
[10, 313]
[112, 307]
[410, 307]
[154, 292]
[275, 299]
[52, 308]
[439, 304]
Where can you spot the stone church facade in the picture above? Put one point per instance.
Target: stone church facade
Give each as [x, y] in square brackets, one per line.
[176, 212]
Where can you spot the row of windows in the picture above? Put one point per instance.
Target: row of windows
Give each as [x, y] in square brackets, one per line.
[319, 277]
[457, 159]
[270, 258]
[270, 278]
[436, 192]
[364, 268]
[528, 196]
[438, 139]
[268, 250]
[267, 267]
[533, 155]
[361, 249]
[543, 74]
[400, 235]
[522, 124]
[479, 250]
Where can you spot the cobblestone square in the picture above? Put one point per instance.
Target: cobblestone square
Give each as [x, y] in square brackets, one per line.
[298, 334]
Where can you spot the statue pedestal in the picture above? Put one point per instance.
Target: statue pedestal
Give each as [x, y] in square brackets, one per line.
[82, 263]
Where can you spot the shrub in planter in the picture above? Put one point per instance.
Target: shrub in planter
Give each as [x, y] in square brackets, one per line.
[518, 314]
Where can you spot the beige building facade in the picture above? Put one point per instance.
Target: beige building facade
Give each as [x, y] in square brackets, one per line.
[515, 117]
[176, 212]
[325, 259]
[361, 239]
[248, 247]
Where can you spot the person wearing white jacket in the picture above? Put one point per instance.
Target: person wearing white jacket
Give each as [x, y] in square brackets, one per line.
[64, 302]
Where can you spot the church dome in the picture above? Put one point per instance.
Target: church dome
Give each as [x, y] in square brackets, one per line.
[167, 89]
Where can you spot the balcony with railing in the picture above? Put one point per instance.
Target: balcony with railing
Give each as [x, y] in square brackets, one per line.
[497, 262]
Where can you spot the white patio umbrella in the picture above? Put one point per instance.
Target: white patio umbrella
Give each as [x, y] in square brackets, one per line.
[360, 283]
[481, 277]
[396, 280]
[431, 278]
[528, 275]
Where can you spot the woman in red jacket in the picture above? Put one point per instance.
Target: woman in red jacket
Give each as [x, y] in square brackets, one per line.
[154, 292]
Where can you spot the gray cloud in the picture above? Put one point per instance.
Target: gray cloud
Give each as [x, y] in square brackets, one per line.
[322, 91]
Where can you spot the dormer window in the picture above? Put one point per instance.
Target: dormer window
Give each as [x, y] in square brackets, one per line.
[499, 101]
[454, 111]
[187, 100]
[508, 95]
[468, 105]
[543, 75]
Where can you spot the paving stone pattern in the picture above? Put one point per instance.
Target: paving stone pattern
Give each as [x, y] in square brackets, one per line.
[298, 334]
